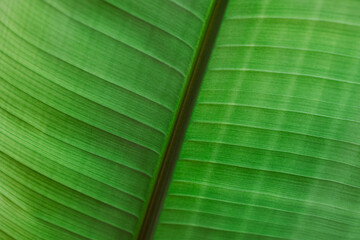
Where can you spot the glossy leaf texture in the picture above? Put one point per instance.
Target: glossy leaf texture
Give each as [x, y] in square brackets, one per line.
[272, 150]
[89, 90]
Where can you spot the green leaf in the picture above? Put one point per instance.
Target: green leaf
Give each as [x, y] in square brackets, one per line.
[95, 97]
[272, 149]
[89, 91]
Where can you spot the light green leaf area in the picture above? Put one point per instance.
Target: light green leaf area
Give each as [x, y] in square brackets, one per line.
[273, 147]
[88, 93]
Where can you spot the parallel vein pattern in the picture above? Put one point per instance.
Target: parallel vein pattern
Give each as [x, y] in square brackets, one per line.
[88, 93]
[273, 147]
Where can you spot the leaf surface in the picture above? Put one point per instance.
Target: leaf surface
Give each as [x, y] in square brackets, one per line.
[272, 149]
[89, 91]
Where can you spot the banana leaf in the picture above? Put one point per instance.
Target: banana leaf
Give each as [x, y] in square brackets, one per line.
[95, 97]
